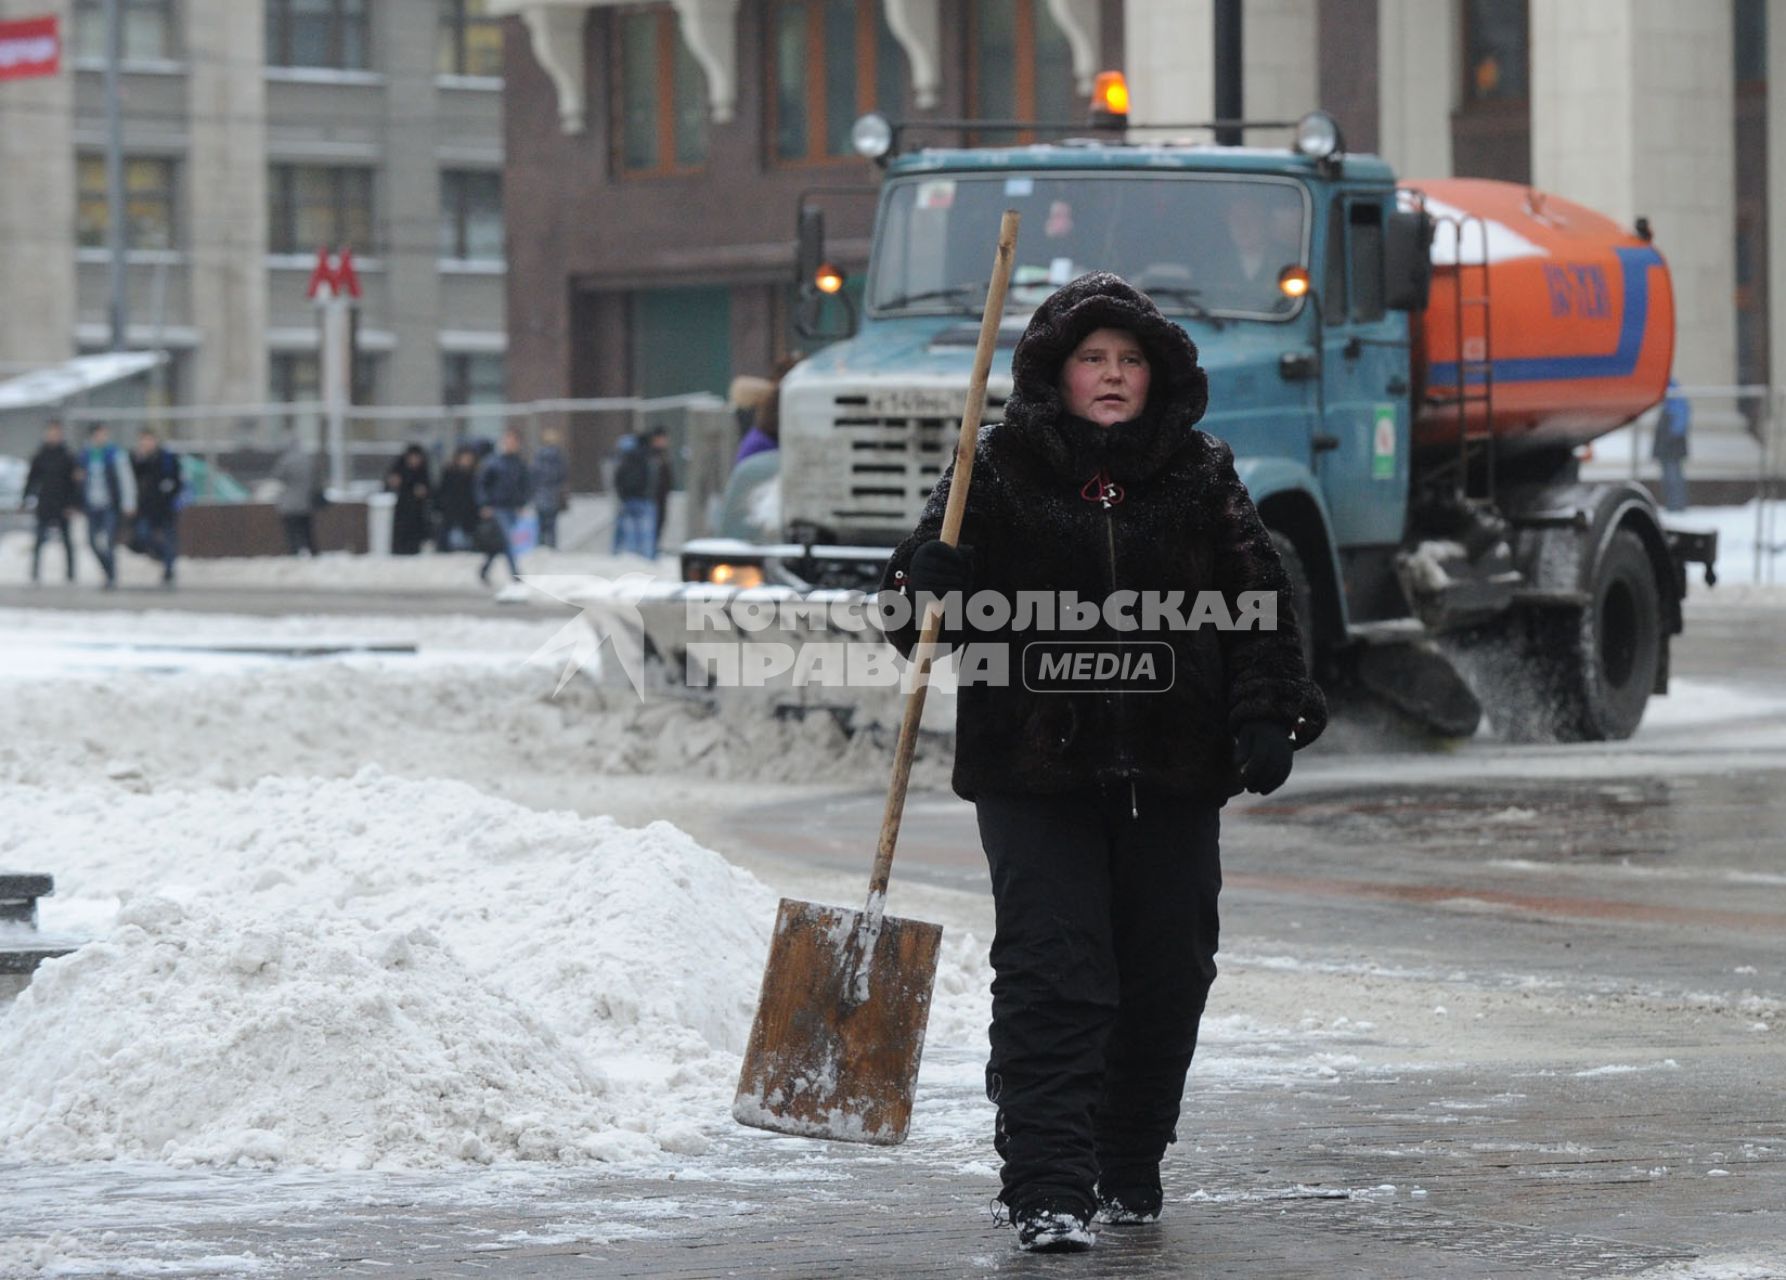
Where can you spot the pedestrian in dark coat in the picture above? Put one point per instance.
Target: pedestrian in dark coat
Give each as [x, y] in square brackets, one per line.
[412, 481]
[456, 502]
[551, 484]
[159, 486]
[504, 486]
[54, 484]
[1098, 799]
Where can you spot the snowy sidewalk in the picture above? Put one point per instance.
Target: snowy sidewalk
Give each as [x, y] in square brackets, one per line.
[1405, 1174]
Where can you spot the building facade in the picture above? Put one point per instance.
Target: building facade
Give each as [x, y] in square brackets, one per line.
[657, 152]
[255, 132]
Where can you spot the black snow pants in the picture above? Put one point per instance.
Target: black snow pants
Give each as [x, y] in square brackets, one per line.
[1103, 958]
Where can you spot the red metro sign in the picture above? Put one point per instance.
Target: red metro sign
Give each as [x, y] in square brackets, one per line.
[333, 276]
[30, 47]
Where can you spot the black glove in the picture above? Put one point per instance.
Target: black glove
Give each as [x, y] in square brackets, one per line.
[936, 569]
[1262, 752]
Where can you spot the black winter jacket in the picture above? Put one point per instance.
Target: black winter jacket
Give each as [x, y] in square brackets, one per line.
[158, 484]
[1178, 519]
[52, 481]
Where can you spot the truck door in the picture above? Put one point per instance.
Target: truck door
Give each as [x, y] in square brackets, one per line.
[1361, 443]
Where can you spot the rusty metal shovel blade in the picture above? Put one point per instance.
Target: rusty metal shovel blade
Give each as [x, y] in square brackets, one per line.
[840, 1026]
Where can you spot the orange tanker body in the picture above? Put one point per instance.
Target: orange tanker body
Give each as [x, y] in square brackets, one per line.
[1576, 337]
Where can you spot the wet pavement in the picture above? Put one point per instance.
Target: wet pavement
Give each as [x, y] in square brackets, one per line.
[1485, 1011]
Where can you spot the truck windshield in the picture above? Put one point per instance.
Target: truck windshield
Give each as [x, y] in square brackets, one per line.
[1198, 244]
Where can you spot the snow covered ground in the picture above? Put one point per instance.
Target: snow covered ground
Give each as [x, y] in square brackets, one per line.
[399, 920]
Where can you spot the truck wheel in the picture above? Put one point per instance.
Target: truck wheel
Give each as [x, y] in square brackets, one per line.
[1302, 596]
[1610, 654]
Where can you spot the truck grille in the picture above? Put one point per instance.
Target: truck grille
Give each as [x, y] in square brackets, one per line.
[894, 461]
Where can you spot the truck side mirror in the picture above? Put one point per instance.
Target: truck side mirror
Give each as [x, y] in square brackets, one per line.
[809, 245]
[1408, 262]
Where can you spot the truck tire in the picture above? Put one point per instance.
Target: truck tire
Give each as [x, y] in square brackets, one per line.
[1302, 596]
[1607, 656]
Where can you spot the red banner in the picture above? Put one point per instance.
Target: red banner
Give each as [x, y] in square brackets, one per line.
[30, 47]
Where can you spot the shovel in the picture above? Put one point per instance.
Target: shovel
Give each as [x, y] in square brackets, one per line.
[846, 994]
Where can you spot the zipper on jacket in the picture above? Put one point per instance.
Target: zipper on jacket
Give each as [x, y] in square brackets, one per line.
[1118, 703]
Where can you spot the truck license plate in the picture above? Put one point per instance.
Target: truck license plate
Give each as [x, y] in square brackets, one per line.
[917, 402]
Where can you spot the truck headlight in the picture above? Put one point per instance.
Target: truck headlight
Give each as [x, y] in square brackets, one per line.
[735, 575]
[1318, 136]
[872, 136]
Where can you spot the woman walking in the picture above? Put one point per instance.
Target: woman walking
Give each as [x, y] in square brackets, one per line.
[1099, 801]
[411, 480]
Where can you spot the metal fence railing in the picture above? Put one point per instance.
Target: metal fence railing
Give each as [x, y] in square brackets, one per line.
[240, 443]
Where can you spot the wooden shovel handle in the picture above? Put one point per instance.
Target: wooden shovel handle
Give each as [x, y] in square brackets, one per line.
[952, 515]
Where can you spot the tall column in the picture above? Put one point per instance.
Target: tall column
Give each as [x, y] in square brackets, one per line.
[1417, 62]
[1632, 108]
[411, 189]
[226, 191]
[1168, 53]
[37, 214]
[1279, 64]
[1776, 194]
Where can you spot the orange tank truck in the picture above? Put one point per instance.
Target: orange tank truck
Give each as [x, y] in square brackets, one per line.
[1576, 339]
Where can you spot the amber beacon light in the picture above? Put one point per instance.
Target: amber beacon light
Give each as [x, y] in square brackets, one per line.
[828, 279]
[1110, 98]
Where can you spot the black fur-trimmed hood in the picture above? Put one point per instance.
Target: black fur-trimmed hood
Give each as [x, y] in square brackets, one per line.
[1130, 450]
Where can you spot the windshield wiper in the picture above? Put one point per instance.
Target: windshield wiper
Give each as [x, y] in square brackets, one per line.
[1189, 298]
[949, 293]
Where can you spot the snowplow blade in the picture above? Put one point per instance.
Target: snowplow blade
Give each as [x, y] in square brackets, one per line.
[840, 1025]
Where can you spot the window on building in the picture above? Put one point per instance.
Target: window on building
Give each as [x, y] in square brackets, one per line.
[149, 203]
[1496, 61]
[318, 206]
[295, 377]
[470, 41]
[149, 31]
[318, 33]
[473, 379]
[662, 96]
[471, 215]
[1020, 66]
[832, 61]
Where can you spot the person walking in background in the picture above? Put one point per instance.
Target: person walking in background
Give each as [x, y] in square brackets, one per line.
[110, 496]
[746, 396]
[551, 484]
[299, 473]
[1670, 447]
[412, 481]
[663, 477]
[456, 501]
[764, 432]
[504, 484]
[53, 483]
[635, 520]
[158, 489]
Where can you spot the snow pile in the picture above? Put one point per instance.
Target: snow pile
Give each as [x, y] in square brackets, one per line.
[518, 934]
[489, 722]
[197, 1039]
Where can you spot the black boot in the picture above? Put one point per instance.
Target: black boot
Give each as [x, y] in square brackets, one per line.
[1054, 1224]
[1129, 1199]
